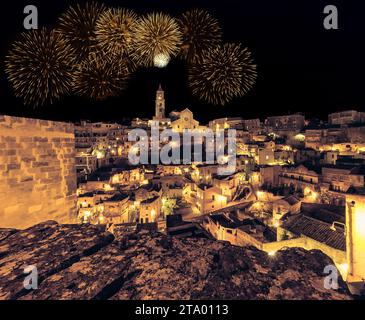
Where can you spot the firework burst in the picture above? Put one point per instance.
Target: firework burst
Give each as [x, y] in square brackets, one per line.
[114, 30]
[114, 35]
[156, 35]
[200, 31]
[99, 78]
[39, 66]
[226, 72]
[78, 24]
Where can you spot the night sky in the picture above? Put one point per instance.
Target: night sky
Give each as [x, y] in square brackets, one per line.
[301, 66]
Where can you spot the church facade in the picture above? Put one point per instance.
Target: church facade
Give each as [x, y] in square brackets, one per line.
[184, 120]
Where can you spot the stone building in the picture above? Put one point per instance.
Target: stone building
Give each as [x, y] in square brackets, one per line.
[97, 135]
[269, 176]
[346, 117]
[341, 178]
[226, 123]
[128, 176]
[266, 156]
[252, 125]
[37, 168]
[300, 178]
[150, 210]
[294, 122]
[116, 209]
[221, 227]
[229, 185]
[281, 207]
[186, 122]
[209, 198]
[85, 164]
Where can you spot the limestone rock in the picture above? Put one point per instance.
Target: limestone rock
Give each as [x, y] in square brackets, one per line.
[48, 246]
[85, 262]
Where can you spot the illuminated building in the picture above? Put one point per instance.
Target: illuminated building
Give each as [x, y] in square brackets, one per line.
[116, 209]
[299, 178]
[294, 122]
[160, 109]
[209, 198]
[341, 178]
[185, 122]
[355, 241]
[346, 117]
[150, 210]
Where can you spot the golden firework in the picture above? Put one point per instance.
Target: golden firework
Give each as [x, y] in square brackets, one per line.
[114, 30]
[225, 72]
[99, 78]
[201, 32]
[39, 66]
[155, 35]
[78, 24]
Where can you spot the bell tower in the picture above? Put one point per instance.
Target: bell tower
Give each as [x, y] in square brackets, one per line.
[160, 104]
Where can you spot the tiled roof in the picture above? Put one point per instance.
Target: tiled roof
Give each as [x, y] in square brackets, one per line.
[324, 212]
[292, 200]
[86, 195]
[117, 197]
[150, 200]
[223, 221]
[316, 230]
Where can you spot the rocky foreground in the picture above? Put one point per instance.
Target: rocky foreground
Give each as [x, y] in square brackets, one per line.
[85, 262]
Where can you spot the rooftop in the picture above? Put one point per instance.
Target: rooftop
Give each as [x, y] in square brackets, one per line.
[317, 230]
[324, 212]
[353, 168]
[150, 200]
[222, 220]
[292, 200]
[117, 197]
[258, 230]
[86, 195]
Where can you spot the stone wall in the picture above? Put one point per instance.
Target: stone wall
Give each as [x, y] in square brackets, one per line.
[356, 134]
[37, 172]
